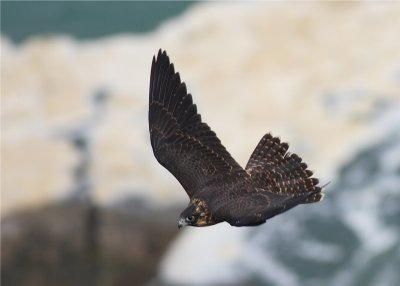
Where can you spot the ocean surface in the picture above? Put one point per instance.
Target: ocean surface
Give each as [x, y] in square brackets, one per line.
[85, 20]
[323, 77]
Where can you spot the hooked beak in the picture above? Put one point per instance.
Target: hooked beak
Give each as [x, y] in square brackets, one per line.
[181, 222]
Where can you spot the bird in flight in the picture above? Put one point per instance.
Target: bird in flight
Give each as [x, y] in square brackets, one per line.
[220, 190]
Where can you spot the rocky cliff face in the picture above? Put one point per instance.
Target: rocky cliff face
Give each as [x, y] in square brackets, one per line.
[324, 77]
[80, 244]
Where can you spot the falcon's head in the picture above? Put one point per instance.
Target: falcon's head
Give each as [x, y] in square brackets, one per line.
[196, 214]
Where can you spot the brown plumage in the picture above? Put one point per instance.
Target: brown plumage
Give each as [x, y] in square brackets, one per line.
[273, 181]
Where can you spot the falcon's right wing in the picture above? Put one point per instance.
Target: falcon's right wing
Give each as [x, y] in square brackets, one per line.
[281, 182]
[272, 168]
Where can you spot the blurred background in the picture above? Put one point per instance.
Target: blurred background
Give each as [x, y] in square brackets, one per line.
[83, 200]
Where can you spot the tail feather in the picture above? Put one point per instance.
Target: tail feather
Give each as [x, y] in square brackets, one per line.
[274, 169]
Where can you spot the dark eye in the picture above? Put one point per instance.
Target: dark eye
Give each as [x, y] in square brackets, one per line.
[190, 218]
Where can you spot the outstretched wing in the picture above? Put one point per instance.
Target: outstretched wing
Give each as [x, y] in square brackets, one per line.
[281, 181]
[181, 142]
[274, 169]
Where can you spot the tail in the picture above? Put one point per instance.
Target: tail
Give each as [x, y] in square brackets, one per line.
[273, 168]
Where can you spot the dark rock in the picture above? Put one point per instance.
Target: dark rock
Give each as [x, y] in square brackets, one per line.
[81, 244]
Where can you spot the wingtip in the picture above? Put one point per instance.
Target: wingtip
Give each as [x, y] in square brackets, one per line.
[160, 51]
[162, 55]
[323, 186]
[314, 181]
[321, 192]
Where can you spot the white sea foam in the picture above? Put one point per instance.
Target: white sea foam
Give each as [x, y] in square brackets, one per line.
[205, 256]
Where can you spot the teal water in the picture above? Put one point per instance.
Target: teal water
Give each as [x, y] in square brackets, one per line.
[23, 19]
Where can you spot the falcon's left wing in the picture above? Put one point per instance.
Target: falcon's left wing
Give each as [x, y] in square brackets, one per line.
[181, 142]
